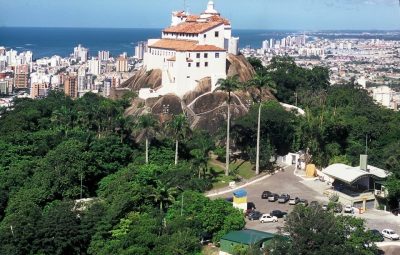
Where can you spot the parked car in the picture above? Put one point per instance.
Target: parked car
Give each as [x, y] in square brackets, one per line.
[294, 201]
[303, 202]
[265, 194]
[278, 213]
[254, 215]
[390, 234]
[250, 208]
[348, 209]
[314, 204]
[283, 198]
[268, 218]
[396, 212]
[377, 234]
[325, 207]
[273, 197]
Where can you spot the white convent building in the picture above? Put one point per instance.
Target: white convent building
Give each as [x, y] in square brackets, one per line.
[192, 48]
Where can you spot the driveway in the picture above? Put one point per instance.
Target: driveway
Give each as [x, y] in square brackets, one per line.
[287, 182]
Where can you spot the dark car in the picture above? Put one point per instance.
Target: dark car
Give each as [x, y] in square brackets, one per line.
[273, 197]
[278, 213]
[254, 215]
[265, 194]
[283, 198]
[396, 212]
[376, 233]
[303, 202]
[251, 206]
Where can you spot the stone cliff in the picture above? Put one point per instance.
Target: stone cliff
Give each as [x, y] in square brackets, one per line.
[205, 109]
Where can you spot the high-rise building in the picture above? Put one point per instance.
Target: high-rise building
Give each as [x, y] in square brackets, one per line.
[265, 45]
[11, 57]
[140, 49]
[122, 64]
[21, 77]
[94, 66]
[104, 55]
[82, 84]
[271, 43]
[39, 89]
[6, 86]
[2, 51]
[81, 54]
[71, 86]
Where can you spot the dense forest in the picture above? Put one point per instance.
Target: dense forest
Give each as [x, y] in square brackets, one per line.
[143, 182]
[57, 150]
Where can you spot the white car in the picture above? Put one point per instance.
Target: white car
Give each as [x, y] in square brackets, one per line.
[348, 209]
[268, 218]
[390, 234]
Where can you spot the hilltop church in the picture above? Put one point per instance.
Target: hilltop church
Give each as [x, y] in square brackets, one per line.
[192, 48]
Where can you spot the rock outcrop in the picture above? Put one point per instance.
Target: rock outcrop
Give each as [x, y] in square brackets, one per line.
[205, 109]
[144, 79]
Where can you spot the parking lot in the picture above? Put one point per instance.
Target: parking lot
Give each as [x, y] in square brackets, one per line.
[286, 182]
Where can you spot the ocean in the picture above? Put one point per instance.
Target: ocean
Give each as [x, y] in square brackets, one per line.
[46, 42]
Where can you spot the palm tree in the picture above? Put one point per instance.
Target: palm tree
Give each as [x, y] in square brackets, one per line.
[145, 127]
[179, 128]
[260, 82]
[162, 195]
[228, 85]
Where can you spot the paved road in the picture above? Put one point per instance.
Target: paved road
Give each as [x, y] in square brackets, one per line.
[281, 182]
[287, 182]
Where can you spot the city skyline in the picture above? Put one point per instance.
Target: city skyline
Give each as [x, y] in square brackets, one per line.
[254, 14]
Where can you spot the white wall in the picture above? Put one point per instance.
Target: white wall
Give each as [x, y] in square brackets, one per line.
[211, 39]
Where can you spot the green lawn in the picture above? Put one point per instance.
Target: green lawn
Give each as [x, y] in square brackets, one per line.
[217, 170]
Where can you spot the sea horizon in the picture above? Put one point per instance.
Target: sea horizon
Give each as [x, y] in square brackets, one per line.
[50, 41]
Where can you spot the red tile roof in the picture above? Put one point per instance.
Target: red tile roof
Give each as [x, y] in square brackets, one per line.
[193, 27]
[183, 45]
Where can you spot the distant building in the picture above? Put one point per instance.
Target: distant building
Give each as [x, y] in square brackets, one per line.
[81, 54]
[39, 90]
[121, 65]
[104, 55]
[94, 67]
[21, 77]
[140, 49]
[71, 86]
[6, 86]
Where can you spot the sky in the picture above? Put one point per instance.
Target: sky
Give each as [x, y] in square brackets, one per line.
[244, 14]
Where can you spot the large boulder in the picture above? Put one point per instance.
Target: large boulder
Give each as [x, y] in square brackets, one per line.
[144, 79]
[238, 65]
[205, 109]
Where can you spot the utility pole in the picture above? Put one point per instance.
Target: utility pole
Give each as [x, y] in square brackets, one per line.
[366, 144]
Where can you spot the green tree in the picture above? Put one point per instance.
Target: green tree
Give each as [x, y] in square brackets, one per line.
[163, 195]
[260, 82]
[145, 127]
[179, 128]
[314, 231]
[228, 85]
